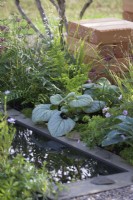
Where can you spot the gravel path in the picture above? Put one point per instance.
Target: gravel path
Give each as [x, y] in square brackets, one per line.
[125, 193]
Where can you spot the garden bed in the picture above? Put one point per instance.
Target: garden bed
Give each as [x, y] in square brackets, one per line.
[96, 184]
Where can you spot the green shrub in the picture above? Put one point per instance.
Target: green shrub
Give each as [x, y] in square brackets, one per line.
[93, 132]
[19, 179]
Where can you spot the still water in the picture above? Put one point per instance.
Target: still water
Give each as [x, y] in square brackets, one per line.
[65, 164]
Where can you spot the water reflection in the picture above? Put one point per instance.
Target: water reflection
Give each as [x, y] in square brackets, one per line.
[64, 164]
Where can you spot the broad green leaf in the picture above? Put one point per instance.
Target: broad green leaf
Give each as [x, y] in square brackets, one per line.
[56, 99]
[71, 94]
[114, 137]
[114, 133]
[59, 126]
[123, 127]
[103, 81]
[112, 141]
[81, 101]
[126, 119]
[95, 107]
[121, 117]
[89, 92]
[42, 113]
[114, 88]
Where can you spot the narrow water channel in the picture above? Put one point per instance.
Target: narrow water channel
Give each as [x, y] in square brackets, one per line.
[65, 164]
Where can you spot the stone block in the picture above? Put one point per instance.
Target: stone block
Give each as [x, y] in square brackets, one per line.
[107, 68]
[75, 44]
[116, 65]
[128, 5]
[128, 16]
[107, 51]
[102, 31]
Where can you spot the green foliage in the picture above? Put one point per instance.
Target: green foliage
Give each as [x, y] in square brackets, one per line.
[120, 132]
[27, 112]
[93, 132]
[62, 113]
[19, 179]
[125, 84]
[127, 154]
[112, 130]
[6, 137]
[24, 74]
[103, 90]
[34, 69]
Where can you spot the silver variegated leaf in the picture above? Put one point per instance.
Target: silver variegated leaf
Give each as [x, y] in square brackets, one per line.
[56, 99]
[42, 113]
[71, 94]
[114, 137]
[59, 126]
[81, 101]
[103, 81]
[95, 107]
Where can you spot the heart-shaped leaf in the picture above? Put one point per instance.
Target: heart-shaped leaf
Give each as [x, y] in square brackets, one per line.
[114, 137]
[59, 125]
[42, 113]
[89, 92]
[95, 107]
[81, 101]
[114, 88]
[71, 94]
[103, 81]
[126, 119]
[114, 133]
[56, 99]
[123, 127]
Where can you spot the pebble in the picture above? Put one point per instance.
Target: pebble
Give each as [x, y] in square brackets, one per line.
[125, 193]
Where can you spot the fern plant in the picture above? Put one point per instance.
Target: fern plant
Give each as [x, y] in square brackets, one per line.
[33, 73]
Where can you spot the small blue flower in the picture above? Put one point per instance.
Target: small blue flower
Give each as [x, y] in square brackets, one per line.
[7, 92]
[125, 112]
[120, 97]
[107, 115]
[11, 120]
[78, 141]
[105, 109]
[89, 81]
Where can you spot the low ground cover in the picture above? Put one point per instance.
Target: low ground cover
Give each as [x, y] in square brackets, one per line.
[19, 179]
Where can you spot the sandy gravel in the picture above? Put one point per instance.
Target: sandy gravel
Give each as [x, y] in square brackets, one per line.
[125, 193]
